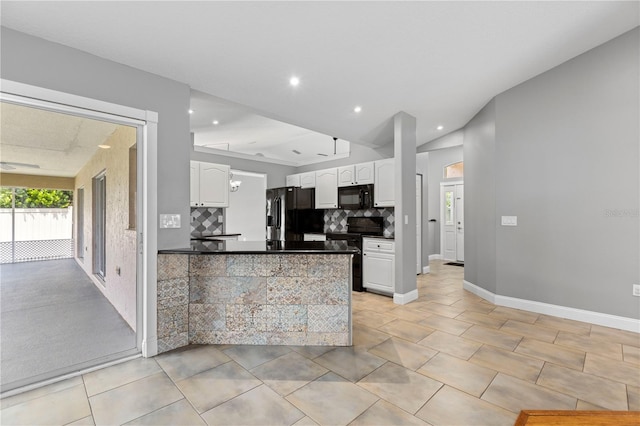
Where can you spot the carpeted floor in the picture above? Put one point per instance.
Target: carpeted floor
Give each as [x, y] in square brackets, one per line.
[52, 318]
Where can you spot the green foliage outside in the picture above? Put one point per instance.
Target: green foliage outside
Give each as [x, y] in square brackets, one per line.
[36, 198]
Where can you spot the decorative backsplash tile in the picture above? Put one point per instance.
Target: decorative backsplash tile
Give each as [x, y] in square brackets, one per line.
[335, 220]
[206, 219]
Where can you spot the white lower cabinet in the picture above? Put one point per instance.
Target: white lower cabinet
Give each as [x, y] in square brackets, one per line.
[378, 264]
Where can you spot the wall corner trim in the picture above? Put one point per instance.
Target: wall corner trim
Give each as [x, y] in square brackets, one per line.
[598, 318]
[403, 299]
[426, 269]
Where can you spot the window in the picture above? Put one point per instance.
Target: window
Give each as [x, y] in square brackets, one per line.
[448, 208]
[99, 225]
[80, 224]
[455, 170]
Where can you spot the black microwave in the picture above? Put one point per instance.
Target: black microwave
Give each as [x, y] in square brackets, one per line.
[356, 197]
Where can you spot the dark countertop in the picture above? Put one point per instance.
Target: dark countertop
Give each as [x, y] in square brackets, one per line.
[263, 247]
[209, 236]
[382, 237]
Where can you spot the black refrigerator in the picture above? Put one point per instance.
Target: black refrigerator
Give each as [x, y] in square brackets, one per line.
[291, 213]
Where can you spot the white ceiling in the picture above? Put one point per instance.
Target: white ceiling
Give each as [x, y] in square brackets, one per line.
[438, 61]
[45, 143]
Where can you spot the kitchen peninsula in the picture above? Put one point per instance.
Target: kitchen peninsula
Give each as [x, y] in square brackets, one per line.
[255, 292]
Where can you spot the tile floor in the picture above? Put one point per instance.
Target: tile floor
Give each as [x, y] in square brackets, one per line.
[449, 358]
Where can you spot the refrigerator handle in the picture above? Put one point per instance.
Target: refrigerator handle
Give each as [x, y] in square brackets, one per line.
[278, 202]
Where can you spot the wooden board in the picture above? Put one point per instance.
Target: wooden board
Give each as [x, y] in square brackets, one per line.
[578, 418]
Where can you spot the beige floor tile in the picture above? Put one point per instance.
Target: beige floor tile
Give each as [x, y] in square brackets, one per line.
[60, 407]
[514, 314]
[406, 330]
[450, 344]
[383, 413]
[514, 364]
[312, 352]
[589, 344]
[633, 397]
[514, 395]
[288, 372]
[482, 308]
[555, 354]
[612, 369]
[117, 375]
[596, 390]
[350, 363]
[458, 373]
[492, 337]
[332, 400]
[442, 299]
[631, 354]
[86, 421]
[583, 405]
[305, 421]
[367, 337]
[407, 354]
[533, 331]
[260, 406]
[413, 315]
[402, 387]
[186, 362]
[42, 391]
[178, 413]
[134, 399]
[481, 319]
[250, 356]
[452, 407]
[614, 335]
[371, 319]
[439, 309]
[448, 325]
[563, 324]
[213, 387]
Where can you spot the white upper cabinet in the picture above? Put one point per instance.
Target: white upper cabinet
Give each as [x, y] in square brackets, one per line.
[308, 180]
[358, 174]
[327, 189]
[209, 184]
[384, 187]
[292, 180]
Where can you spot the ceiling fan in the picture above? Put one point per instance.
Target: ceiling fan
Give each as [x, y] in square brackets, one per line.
[10, 165]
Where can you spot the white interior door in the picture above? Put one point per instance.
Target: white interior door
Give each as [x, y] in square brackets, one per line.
[448, 222]
[459, 213]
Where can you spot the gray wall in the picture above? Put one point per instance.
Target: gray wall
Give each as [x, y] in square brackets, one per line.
[480, 199]
[34, 61]
[276, 173]
[564, 159]
[450, 140]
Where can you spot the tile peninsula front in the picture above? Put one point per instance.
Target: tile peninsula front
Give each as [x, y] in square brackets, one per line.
[238, 292]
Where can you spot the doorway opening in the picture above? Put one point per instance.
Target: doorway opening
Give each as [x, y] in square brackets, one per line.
[58, 318]
[452, 220]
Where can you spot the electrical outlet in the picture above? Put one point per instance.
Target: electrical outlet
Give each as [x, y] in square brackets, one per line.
[509, 220]
[220, 219]
[636, 290]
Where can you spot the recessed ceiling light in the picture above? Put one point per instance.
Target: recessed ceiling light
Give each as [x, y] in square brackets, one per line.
[190, 111]
[357, 109]
[440, 127]
[294, 81]
[104, 146]
[216, 122]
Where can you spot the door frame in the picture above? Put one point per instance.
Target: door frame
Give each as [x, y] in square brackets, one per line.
[146, 123]
[442, 186]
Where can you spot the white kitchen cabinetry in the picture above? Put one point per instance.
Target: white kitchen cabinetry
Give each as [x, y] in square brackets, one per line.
[292, 180]
[327, 188]
[209, 184]
[378, 264]
[384, 194]
[308, 180]
[357, 174]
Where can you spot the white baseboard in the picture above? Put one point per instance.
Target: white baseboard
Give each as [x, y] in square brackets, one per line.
[598, 318]
[403, 299]
[426, 269]
[435, 257]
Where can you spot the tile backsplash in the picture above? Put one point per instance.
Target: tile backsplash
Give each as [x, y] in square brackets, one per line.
[206, 219]
[335, 220]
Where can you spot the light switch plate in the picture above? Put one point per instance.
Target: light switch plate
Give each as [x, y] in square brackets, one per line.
[509, 221]
[169, 221]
